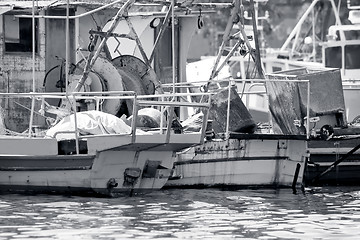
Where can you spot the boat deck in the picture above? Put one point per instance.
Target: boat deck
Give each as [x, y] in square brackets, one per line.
[234, 135]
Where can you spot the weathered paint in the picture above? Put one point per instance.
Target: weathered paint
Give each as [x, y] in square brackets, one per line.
[35, 164]
[240, 162]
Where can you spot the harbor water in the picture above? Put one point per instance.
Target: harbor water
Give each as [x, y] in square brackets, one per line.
[317, 213]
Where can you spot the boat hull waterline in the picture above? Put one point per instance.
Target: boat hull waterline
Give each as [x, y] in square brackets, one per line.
[258, 160]
[116, 167]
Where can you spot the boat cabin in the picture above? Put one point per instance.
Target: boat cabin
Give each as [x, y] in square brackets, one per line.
[342, 50]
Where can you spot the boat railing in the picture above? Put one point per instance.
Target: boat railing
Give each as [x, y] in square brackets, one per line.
[228, 83]
[166, 102]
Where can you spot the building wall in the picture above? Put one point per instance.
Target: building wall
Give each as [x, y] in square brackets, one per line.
[16, 75]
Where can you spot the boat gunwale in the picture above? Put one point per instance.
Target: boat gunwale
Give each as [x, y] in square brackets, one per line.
[266, 136]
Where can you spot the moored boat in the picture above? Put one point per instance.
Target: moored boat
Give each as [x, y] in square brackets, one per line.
[243, 160]
[331, 157]
[94, 152]
[333, 142]
[92, 142]
[335, 45]
[309, 50]
[236, 154]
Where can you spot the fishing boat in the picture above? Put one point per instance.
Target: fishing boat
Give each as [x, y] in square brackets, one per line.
[236, 153]
[93, 152]
[108, 129]
[335, 46]
[334, 157]
[314, 54]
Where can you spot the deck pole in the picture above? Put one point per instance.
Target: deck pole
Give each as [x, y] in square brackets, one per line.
[67, 47]
[308, 111]
[33, 70]
[173, 44]
[228, 112]
[297, 170]
[76, 129]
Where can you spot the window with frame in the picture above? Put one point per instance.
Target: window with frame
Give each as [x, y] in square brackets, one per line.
[18, 34]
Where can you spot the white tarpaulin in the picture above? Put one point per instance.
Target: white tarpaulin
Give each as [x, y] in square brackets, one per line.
[90, 123]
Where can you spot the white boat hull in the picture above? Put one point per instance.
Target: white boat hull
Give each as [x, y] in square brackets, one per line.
[122, 167]
[243, 160]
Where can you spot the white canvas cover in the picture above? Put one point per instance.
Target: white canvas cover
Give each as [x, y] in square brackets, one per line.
[90, 123]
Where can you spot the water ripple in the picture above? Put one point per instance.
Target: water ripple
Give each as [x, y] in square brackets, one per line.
[319, 213]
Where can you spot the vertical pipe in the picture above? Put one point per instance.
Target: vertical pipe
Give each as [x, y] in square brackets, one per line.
[228, 112]
[162, 116]
[314, 36]
[33, 46]
[67, 47]
[134, 119]
[269, 113]
[33, 70]
[76, 129]
[308, 111]
[173, 43]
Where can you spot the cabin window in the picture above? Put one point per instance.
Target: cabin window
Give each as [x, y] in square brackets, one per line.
[18, 34]
[333, 57]
[352, 57]
[353, 3]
